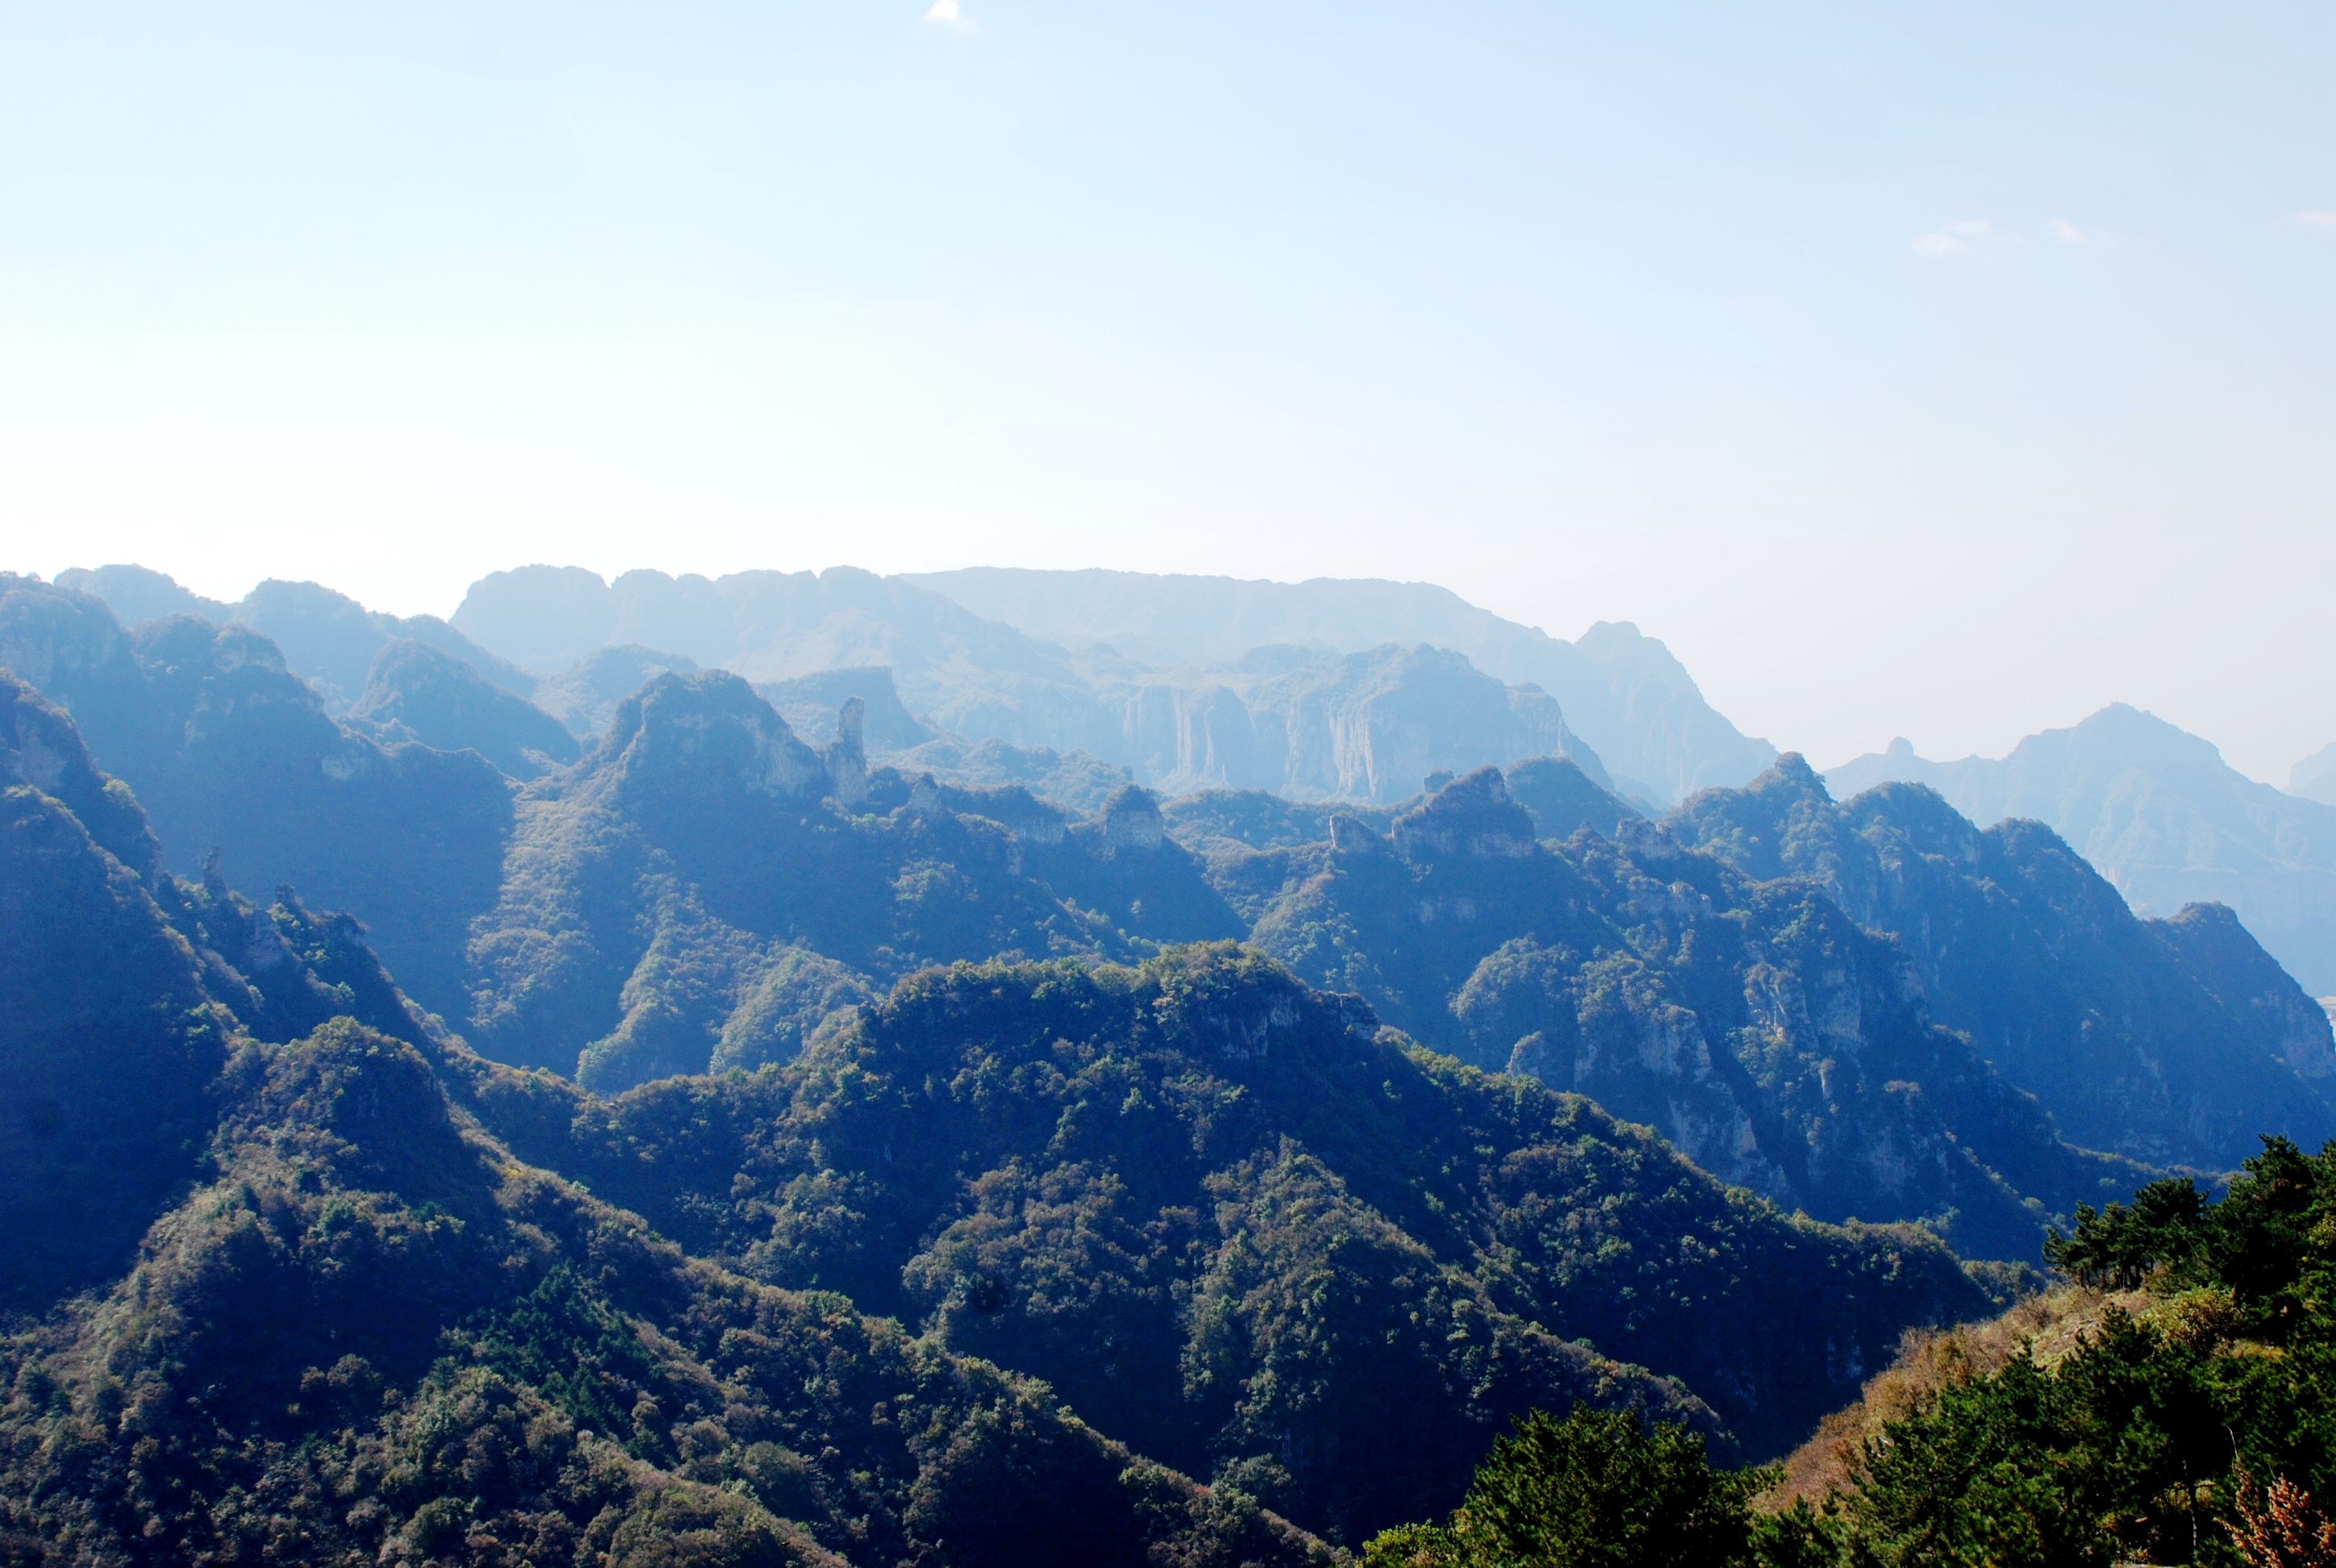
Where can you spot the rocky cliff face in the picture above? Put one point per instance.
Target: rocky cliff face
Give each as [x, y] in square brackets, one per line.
[2169, 1040]
[707, 737]
[1624, 692]
[1755, 1023]
[1312, 726]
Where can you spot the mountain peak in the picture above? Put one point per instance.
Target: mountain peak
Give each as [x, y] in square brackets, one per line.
[1792, 775]
[710, 732]
[1472, 816]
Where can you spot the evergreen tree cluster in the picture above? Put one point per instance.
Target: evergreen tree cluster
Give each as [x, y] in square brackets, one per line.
[2191, 1419]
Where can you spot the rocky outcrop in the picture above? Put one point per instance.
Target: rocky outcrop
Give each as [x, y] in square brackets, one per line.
[694, 736]
[1472, 816]
[847, 756]
[1132, 822]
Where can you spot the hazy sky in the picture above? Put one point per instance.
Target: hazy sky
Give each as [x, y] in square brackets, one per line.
[1948, 371]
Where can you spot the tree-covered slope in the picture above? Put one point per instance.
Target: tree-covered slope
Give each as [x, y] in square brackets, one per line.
[372, 1317]
[1234, 1224]
[2173, 1400]
[2170, 1400]
[2172, 1041]
[1756, 1025]
[268, 1297]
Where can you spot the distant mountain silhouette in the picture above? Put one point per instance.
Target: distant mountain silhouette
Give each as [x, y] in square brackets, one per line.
[416, 693]
[328, 639]
[1312, 722]
[2161, 815]
[585, 694]
[1623, 692]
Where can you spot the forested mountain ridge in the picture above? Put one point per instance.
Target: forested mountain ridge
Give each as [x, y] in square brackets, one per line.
[415, 692]
[1204, 1199]
[705, 889]
[366, 1322]
[357, 1330]
[2163, 818]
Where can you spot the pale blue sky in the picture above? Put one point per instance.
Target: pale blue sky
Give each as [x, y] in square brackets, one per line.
[1944, 371]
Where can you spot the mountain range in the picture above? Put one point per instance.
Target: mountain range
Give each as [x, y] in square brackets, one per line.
[1632, 703]
[2163, 818]
[291, 1272]
[1806, 999]
[1294, 698]
[546, 1088]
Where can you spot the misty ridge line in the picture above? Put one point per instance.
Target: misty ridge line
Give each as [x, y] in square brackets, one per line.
[1073, 683]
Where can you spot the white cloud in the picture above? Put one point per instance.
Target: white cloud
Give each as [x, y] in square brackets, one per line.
[2319, 218]
[949, 13]
[2068, 233]
[1974, 240]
